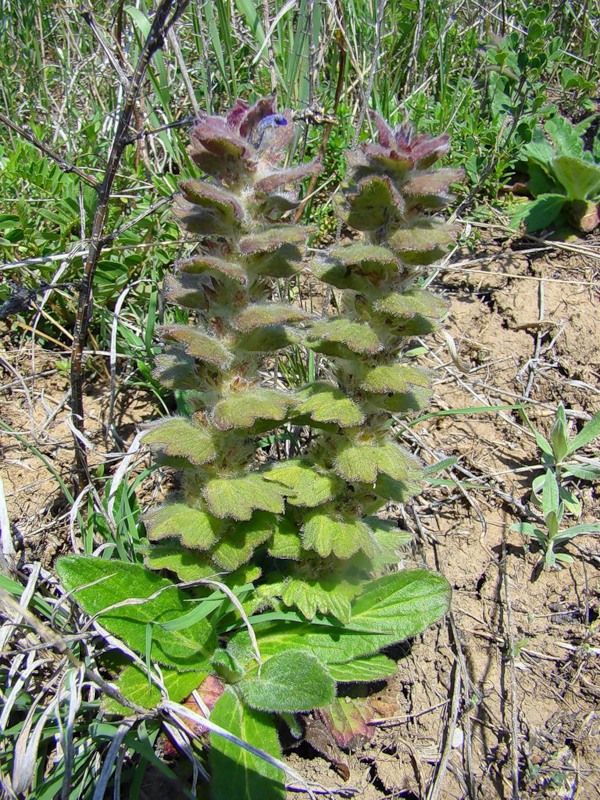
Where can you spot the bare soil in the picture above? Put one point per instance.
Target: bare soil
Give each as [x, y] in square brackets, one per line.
[509, 684]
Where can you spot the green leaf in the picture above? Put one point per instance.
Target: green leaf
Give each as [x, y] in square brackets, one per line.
[117, 581]
[214, 198]
[342, 536]
[242, 409]
[364, 670]
[405, 305]
[371, 205]
[221, 267]
[324, 402]
[178, 437]
[193, 527]
[187, 564]
[326, 596]
[558, 435]
[286, 542]
[424, 242]
[550, 496]
[304, 484]
[364, 462]
[291, 681]
[586, 435]
[273, 237]
[540, 213]
[397, 378]
[402, 604]
[133, 682]
[236, 773]
[258, 316]
[566, 139]
[199, 345]
[358, 337]
[238, 544]
[238, 497]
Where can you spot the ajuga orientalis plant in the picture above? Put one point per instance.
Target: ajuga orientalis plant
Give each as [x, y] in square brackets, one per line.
[284, 580]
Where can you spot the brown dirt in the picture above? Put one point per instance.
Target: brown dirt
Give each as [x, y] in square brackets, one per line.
[510, 681]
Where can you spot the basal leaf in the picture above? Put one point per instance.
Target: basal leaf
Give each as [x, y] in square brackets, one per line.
[179, 438]
[290, 681]
[304, 485]
[342, 536]
[402, 604]
[331, 644]
[286, 542]
[238, 497]
[242, 409]
[580, 178]
[192, 526]
[324, 402]
[236, 773]
[348, 718]
[364, 670]
[117, 581]
[539, 213]
[134, 684]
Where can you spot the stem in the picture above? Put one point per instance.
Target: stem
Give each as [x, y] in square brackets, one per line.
[163, 20]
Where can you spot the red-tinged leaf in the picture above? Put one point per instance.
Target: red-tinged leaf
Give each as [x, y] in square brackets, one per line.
[348, 718]
[285, 177]
[273, 237]
[199, 265]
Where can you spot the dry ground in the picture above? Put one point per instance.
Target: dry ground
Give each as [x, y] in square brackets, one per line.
[510, 682]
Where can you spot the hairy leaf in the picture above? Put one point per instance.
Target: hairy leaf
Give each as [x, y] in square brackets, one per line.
[257, 316]
[364, 462]
[348, 718]
[408, 304]
[242, 409]
[194, 527]
[238, 544]
[330, 595]
[273, 237]
[364, 670]
[384, 603]
[356, 336]
[179, 438]
[221, 267]
[199, 345]
[304, 485]
[116, 582]
[397, 378]
[290, 681]
[238, 497]
[215, 199]
[236, 773]
[369, 206]
[324, 402]
[187, 564]
[423, 242]
[342, 536]
[133, 682]
[285, 177]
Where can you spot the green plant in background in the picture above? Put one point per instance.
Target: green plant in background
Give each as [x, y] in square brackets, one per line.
[564, 178]
[553, 537]
[550, 491]
[559, 455]
[289, 547]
